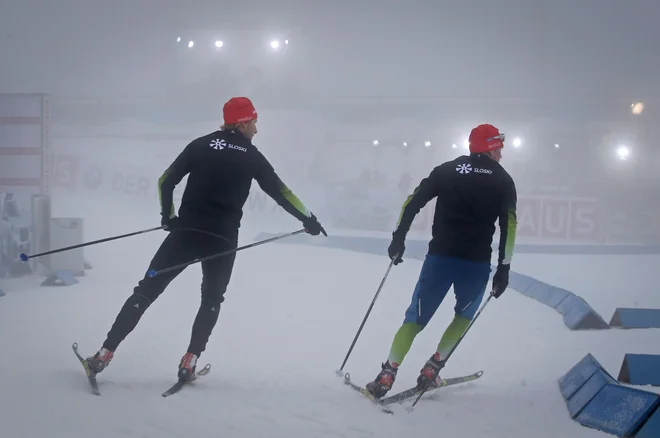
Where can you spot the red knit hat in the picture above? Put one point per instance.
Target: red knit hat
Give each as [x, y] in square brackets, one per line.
[237, 110]
[485, 138]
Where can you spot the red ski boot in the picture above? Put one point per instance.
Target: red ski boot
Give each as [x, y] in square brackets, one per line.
[384, 380]
[430, 372]
[187, 367]
[99, 361]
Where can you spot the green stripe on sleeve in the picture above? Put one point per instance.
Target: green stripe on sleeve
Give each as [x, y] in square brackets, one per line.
[160, 193]
[405, 204]
[293, 200]
[512, 223]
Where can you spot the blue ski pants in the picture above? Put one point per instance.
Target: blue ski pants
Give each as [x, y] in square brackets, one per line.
[438, 274]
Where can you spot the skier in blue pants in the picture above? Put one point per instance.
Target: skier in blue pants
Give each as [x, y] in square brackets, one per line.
[473, 192]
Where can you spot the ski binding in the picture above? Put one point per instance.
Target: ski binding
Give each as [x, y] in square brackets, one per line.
[367, 394]
[181, 383]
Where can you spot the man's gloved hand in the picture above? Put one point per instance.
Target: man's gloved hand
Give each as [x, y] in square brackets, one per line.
[170, 223]
[501, 280]
[396, 249]
[313, 226]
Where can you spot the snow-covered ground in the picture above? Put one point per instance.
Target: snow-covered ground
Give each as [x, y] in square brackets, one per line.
[289, 317]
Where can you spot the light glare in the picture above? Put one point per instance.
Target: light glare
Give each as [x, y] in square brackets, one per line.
[623, 152]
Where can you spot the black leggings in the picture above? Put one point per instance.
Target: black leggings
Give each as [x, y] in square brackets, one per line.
[179, 247]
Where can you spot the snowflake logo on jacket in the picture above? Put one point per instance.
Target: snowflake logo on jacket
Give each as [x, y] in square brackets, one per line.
[218, 145]
[464, 168]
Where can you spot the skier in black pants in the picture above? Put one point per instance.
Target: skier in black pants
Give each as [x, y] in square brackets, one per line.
[220, 168]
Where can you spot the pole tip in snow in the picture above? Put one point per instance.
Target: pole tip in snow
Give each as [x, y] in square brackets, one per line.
[24, 257]
[152, 273]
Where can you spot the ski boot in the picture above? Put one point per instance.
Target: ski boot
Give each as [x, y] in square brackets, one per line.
[187, 367]
[99, 361]
[430, 373]
[384, 380]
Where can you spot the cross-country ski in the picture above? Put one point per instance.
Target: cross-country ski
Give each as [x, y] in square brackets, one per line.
[91, 377]
[414, 391]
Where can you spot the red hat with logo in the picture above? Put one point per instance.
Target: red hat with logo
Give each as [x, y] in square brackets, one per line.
[485, 138]
[238, 110]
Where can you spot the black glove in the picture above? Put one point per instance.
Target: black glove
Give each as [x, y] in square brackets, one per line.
[170, 223]
[313, 226]
[501, 280]
[396, 249]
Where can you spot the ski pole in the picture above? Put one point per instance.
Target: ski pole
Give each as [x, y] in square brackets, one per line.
[382, 282]
[25, 257]
[153, 272]
[428, 383]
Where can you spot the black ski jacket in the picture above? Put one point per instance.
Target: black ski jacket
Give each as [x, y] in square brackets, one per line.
[220, 168]
[473, 192]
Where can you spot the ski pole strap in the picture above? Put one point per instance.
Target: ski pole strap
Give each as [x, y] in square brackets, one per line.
[25, 257]
[154, 272]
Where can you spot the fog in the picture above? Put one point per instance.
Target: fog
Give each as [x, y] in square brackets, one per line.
[357, 102]
[562, 78]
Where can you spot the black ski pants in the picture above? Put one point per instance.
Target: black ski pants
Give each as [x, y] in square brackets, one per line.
[180, 246]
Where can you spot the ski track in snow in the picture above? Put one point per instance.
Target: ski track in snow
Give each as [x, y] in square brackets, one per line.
[289, 317]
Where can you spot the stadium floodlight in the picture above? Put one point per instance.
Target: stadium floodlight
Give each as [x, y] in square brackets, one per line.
[178, 39]
[517, 142]
[637, 108]
[623, 152]
[556, 145]
[274, 44]
[286, 42]
[191, 44]
[427, 144]
[375, 142]
[454, 146]
[219, 44]
[405, 144]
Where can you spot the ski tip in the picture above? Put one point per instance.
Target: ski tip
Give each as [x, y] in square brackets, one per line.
[74, 346]
[479, 373]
